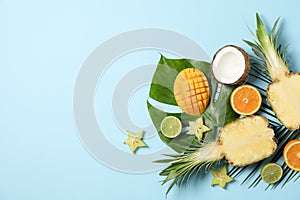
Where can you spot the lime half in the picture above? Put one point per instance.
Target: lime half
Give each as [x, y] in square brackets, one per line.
[271, 173]
[170, 126]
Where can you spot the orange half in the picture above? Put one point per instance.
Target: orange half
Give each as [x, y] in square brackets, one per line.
[291, 154]
[245, 100]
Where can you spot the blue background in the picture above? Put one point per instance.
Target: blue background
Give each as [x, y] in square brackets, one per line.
[42, 47]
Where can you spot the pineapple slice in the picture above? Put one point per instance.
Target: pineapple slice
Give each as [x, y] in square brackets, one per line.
[284, 97]
[247, 140]
[283, 94]
[242, 142]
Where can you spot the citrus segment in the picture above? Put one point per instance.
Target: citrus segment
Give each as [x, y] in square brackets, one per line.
[191, 91]
[245, 100]
[291, 154]
[170, 126]
[271, 173]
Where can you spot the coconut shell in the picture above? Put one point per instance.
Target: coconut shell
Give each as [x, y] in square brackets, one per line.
[247, 65]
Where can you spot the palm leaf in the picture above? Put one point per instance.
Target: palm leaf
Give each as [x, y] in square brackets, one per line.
[283, 135]
[260, 64]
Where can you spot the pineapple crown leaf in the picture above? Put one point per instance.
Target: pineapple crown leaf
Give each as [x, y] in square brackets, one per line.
[183, 165]
[256, 49]
[266, 40]
[178, 172]
[275, 33]
[268, 53]
[261, 32]
[250, 30]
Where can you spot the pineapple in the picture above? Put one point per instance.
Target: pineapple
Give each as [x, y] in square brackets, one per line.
[247, 140]
[241, 142]
[283, 93]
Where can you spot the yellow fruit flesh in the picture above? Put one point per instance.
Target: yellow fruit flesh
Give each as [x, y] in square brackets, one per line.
[247, 140]
[242, 142]
[191, 91]
[284, 98]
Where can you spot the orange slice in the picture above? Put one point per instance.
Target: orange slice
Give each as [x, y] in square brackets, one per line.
[291, 154]
[191, 91]
[245, 100]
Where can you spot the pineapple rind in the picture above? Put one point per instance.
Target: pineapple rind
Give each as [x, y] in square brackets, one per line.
[284, 98]
[247, 140]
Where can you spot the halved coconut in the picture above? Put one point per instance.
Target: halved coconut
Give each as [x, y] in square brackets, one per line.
[230, 65]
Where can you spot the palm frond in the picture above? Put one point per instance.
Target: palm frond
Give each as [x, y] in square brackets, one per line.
[283, 135]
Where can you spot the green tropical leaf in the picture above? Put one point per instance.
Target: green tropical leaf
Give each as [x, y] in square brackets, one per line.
[163, 79]
[219, 111]
[217, 114]
[179, 143]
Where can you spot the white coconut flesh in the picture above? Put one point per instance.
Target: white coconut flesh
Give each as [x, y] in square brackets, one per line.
[229, 65]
